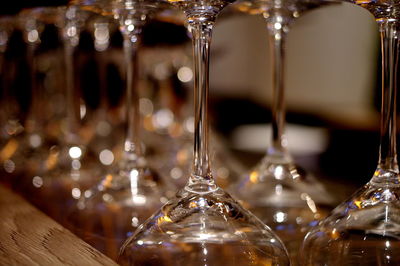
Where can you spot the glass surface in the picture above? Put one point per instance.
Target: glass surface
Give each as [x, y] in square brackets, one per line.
[23, 147]
[68, 167]
[208, 228]
[202, 224]
[10, 126]
[365, 230]
[131, 190]
[279, 192]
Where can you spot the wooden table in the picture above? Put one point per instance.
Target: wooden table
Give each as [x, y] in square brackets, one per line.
[29, 237]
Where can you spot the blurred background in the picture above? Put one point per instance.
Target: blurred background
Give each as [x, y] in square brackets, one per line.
[333, 90]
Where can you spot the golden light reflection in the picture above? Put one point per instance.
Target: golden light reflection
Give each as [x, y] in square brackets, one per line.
[249, 9]
[358, 203]
[193, 204]
[148, 123]
[175, 130]
[334, 234]
[9, 149]
[246, 229]
[182, 156]
[254, 177]
[107, 181]
[164, 219]
[51, 160]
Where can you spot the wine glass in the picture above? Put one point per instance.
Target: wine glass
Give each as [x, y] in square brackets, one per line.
[10, 120]
[365, 229]
[8, 128]
[131, 190]
[202, 224]
[279, 192]
[168, 117]
[28, 150]
[68, 167]
[104, 127]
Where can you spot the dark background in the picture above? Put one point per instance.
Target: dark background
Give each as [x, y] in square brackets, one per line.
[12, 7]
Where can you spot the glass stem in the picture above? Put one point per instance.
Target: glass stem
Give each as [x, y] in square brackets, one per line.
[72, 115]
[103, 105]
[132, 141]
[201, 173]
[277, 38]
[387, 150]
[34, 120]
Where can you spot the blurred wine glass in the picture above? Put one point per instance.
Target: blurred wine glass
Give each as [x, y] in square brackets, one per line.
[104, 128]
[365, 229]
[23, 154]
[130, 190]
[278, 191]
[69, 167]
[10, 125]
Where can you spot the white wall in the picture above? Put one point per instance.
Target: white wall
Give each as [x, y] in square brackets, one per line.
[331, 60]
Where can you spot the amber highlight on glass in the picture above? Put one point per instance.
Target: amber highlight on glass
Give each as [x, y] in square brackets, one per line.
[365, 229]
[202, 224]
[276, 190]
[129, 191]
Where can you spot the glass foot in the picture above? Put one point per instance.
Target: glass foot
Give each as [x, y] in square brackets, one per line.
[203, 229]
[110, 212]
[364, 230]
[285, 198]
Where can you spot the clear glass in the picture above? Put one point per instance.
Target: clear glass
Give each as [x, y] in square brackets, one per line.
[9, 123]
[276, 190]
[105, 124]
[365, 229]
[68, 167]
[129, 191]
[24, 153]
[169, 121]
[202, 224]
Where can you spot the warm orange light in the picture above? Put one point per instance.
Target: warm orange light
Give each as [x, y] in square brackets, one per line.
[358, 203]
[334, 234]
[148, 123]
[254, 177]
[9, 149]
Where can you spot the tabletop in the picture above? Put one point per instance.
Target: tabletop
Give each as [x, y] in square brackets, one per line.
[29, 237]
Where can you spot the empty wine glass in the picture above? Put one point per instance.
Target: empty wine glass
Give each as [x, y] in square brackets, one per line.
[9, 127]
[69, 167]
[202, 224]
[104, 128]
[131, 190]
[24, 153]
[280, 193]
[365, 229]
[168, 110]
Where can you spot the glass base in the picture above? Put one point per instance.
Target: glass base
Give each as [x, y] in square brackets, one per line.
[60, 180]
[365, 230]
[203, 229]
[22, 156]
[111, 211]
[285, 198]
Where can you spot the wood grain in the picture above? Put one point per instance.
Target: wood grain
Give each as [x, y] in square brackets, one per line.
[29, 237]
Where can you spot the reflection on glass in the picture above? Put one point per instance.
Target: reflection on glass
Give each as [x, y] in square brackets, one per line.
[130, 191]
[67, 168]
[202, 224]
[280, 193]
[365, 230]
